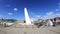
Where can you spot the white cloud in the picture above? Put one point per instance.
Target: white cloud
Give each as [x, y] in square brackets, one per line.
[57, 15]
[32, 19]
[58, 3]
[9, 13]
[15, 9]
[50, 13]
[57, 10]
[38, 16]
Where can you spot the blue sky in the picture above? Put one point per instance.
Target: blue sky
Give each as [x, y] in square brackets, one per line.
[37, 8]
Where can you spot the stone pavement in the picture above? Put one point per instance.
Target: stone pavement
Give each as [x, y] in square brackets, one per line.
[41, 30]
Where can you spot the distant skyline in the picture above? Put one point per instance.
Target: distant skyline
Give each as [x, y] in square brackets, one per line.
[42, 9]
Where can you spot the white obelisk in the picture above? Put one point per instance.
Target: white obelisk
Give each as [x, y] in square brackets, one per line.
[27, 19]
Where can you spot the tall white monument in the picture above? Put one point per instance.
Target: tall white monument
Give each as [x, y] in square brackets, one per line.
[27, 19]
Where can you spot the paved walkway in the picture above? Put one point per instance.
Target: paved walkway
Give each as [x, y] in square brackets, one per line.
[45, 30]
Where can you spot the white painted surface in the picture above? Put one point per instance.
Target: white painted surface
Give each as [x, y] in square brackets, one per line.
[8, 24]
[27, 19]
[51, 23]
